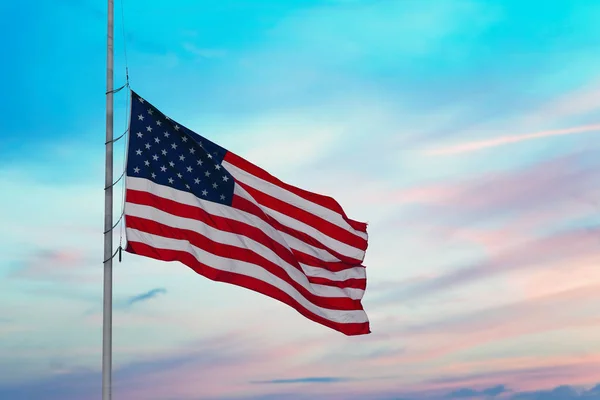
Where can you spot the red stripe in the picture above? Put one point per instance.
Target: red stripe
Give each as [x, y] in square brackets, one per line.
[240, 254]
[233, 226]
[324, 201]
[251, 208]
[324, 226]
[348, 283]
[253, 284]
[333, 266]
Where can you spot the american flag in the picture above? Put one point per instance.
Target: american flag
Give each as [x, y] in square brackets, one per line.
[192, 201]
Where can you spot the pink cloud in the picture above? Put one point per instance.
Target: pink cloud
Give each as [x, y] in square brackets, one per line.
[557, 251]
[578, 102]
[534, 185]
[437, 340]
[66, 265]
[545, 193]
[476, 145]
[528, 187]
[579, 271]
[227, 365]
[520, 373]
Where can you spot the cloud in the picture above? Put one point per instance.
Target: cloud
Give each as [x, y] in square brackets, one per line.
[463, 393]
[314, 379]
[475, 333]
[469, 393]
[564, 392]
[523, 195]
[505, 140]
[551, 250]
[581, 101]
[289, 143]
[546, 119]
[148, 377]
[62, 265]
[151, 294]
[559, 393]
[494, 391]
[519, 373]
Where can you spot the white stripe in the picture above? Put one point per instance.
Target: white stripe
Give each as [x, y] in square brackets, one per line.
[340, 276]
[299, 245]
[286, 220]
[247, 269]
[291, 198]
[210, 207]
[228, 238]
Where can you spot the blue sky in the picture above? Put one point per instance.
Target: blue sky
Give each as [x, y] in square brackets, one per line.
[464, 132]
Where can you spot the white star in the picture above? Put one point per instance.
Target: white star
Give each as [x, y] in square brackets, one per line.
[204, 192]
[171, 180]
[149, 128]
[187, 186]
[150, 111]
[200, 143]
[225, 178]
[209, 156]
[164, 152]
[222, 197]
[138, 152]
[199, 162]
[157, 140]
[182, 157]
[155, 157]
[184, 138]
[148, 145]
[189, 169]
[141, 100]
[166, 134]
[136, 170]
[197, 181]
[174, 145]
[140, 134]
[179, 175]
[163, 168]
[217, 167]
[153, 175]
[215, 185]
[147, 163]
[158, 122]
[172, 164]
[207, 173]
[167, 118]
[192, 150]
[141, 117]
[176, 127]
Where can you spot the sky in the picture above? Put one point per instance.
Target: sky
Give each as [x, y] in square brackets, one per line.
[465, 132]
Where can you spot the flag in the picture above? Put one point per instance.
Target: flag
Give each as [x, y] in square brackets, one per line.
[189, 200]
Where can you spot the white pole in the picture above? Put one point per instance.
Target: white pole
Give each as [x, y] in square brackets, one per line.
[108, 216]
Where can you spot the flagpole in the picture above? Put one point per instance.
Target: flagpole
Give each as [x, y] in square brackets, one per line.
[108, 215]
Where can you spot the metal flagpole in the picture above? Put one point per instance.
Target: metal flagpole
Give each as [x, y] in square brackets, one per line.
[108, 215]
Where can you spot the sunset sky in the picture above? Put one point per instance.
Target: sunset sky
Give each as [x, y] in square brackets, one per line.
[465, 132]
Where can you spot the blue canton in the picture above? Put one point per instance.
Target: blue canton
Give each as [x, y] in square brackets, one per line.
[169, 154]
